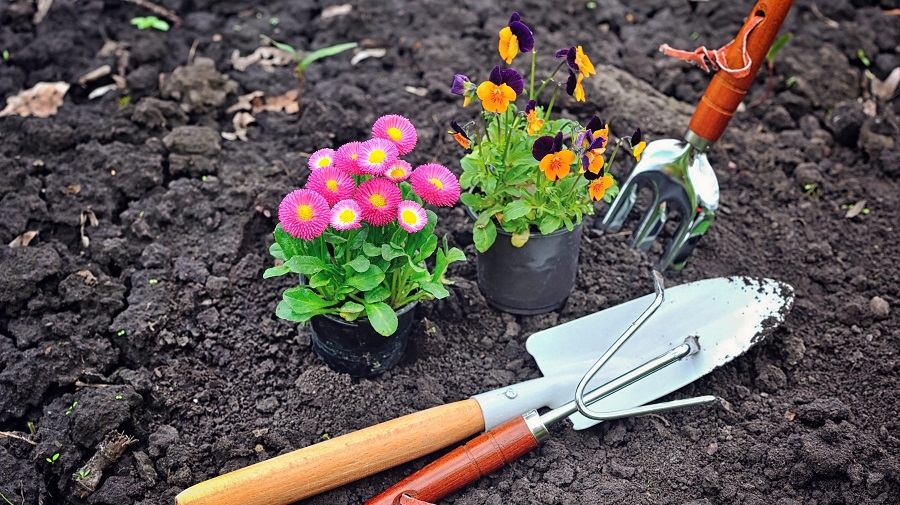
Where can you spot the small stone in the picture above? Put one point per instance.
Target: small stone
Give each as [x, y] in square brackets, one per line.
[808, 173]
[820, 410]
[880, 308]
[193, 140]
[162, 439]
[846, 122]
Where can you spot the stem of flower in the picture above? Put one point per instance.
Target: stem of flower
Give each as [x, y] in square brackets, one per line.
[484, 121]
[550, 106]
[549, 79]
[531, 87]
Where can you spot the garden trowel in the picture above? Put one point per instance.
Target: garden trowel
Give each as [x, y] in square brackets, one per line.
[721, 317]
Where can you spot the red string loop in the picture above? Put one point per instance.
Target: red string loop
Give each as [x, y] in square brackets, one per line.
[715, 59]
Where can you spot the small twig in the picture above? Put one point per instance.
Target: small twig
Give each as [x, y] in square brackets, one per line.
[661, 418]
[825, 19]
[79, 385]
[13, 435]
[166, 13]
[108, 452]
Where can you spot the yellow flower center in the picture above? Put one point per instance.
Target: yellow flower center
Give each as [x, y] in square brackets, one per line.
[397, 173]
[305, 212]
[395, 133]
[377, 156]
[332, 185]
[323, 162]
[377, 200]
[409, 217]
[347, 216]
[437, 183]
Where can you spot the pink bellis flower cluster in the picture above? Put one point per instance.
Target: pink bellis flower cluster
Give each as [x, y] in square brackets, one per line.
[359, 231]
[525, 170]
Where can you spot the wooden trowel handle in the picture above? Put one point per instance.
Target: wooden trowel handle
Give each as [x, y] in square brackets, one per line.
[306, 472]
[464, 465]
[725, 92]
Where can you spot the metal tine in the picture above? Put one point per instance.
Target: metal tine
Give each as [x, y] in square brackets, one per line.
[583, 401]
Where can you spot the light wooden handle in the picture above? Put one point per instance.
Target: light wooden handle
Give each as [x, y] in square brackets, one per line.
[725, 92]
[464, 465]
[312, 470]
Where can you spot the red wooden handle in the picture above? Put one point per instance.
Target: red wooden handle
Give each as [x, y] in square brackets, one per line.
[725, 92]
[464, 465]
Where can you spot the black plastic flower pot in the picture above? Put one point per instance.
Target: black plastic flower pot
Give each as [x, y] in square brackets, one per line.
[356, 348]
[533, 279]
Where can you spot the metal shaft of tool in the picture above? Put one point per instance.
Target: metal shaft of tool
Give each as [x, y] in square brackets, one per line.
[625, 380]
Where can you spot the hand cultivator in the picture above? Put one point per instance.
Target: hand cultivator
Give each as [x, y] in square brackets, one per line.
[641, 359]
[677, 172]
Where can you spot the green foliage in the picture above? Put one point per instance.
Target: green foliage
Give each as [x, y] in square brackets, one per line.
[779, 43]
[318, 54]
[52, 459]
[147, 22]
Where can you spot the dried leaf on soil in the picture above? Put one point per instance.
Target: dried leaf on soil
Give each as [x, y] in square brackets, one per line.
[887, 88]
[790, 415]
[266, 57]
[241, 122]
[95, 74]
[416, 91]
[42, 8]
[43, 100]
[88, 277]
[368, 53]
[856, 209]
[336, 10]
[247, 102]
[286, 102]
[24, 239]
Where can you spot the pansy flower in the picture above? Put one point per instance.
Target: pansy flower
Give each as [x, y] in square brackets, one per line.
[378, 199]
[375, 155]
[435, 184]
[577, 60]
[597, 188]
[515, 37]
[637, 145]
[411, 216]
[332, 183]
[346, 215]
[323, 158]
[464, 87]
[303, 214]
[398, 171]
[592, 160]
[555, 160]
[398, 130]
[503, 86]
[535, 123]
[596, 129]
[459, 135]
[573, 86]
[345, 158]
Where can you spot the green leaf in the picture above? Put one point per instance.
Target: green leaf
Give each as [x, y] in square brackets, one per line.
[359, 239]
[779, 43]
[520, 238]
[276, 271]
[282, 46]
[306, 265]
[333, 238]
[283, 310]
[484, 236]
[290, 246]
[275, 250]
[371, 250]
[367, 280]
[515, 210]
[379, 294]
[322, 278]
[427, 249]
[435, 289]
[389, 252]
[382, 318]
[470, 199]
[455, 254]
[360, 264]
[550, 224]
[302, 299]
[322, 53]
[350, 310]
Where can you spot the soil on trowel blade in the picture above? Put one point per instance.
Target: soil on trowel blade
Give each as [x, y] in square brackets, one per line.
[139, 306]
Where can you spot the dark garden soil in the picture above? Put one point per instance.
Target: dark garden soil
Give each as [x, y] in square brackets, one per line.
[161, 327]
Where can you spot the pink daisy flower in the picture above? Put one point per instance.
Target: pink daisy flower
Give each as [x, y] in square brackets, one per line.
[346, 215]
[398, 130]
[411, 216]
[398, 171]
[332, 183]
[378, 199]
[323, 158]
[304, 214]
[435, 184]
[375, 155]
[346, 156]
